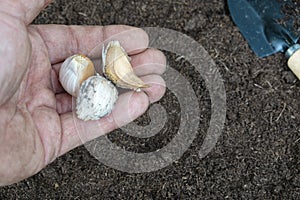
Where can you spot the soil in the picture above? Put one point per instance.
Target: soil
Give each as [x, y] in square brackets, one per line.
[258, 153]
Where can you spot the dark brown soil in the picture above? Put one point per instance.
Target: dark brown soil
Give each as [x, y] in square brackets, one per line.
[258, 154]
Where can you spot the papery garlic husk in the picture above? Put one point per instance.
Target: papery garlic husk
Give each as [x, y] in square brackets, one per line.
[97, 97]
[74, 70]
[117, 67]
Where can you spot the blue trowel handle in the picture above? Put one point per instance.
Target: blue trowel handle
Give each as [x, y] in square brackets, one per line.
[293, 55]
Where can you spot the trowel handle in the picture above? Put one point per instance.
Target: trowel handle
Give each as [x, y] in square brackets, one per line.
[293, 55]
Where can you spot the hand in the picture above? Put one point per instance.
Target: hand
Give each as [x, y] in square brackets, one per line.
[37, 123]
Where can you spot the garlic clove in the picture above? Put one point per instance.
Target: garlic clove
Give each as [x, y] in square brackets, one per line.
[117, 67]
[97, 97]
[74, 70]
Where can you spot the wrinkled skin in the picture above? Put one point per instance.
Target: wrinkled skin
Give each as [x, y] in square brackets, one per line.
[37, 123]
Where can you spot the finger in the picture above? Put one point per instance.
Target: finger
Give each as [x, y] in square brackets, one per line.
[148, 62]
[55, 83]
[25, 10]
[151, 61]
[157, 87]
[63, 103]
[64, 41]
[75, 132]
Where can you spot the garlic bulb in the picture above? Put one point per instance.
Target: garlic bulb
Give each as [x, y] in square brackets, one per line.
[74, 71]
[117, 67]
[97, 97]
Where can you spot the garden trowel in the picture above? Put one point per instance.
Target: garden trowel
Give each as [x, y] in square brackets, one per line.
[268, 28]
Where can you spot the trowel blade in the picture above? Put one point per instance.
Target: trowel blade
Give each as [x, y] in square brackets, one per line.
[259, 23]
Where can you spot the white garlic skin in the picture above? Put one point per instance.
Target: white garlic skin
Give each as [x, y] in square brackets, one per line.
[97, 97]
[74, 70]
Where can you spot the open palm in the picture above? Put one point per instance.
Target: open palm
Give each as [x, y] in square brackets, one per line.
[37, 123]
